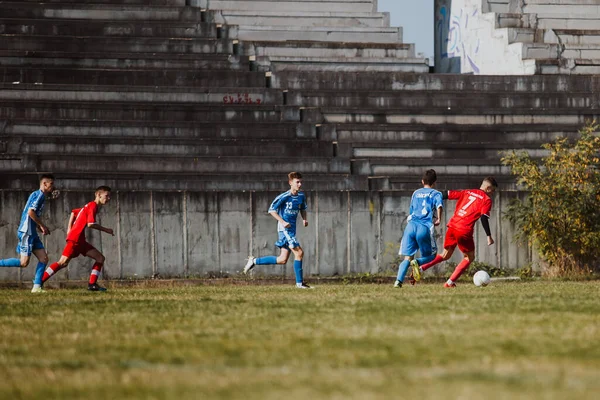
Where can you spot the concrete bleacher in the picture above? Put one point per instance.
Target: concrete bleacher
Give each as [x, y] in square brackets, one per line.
[559, 36]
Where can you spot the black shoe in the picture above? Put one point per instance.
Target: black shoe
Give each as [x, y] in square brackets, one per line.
[93, 287]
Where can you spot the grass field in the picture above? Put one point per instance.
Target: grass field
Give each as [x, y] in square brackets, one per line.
[537, 340]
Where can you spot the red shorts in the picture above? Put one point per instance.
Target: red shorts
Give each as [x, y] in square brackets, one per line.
[73, 249]
[464, 240]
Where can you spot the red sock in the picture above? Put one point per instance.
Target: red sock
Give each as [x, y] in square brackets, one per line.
[460, 268]
[438, 259]
[51, 270]
[95, 272]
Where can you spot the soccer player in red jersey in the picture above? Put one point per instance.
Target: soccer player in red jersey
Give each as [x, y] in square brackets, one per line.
[76, 244]
[473, 204]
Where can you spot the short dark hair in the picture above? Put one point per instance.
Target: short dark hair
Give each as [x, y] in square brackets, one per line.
[294, 175]
[429, 177]
[102, 189]
[47, 176]
[492, 181]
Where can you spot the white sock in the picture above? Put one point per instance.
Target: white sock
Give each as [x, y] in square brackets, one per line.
[449, 282]
[35, 286]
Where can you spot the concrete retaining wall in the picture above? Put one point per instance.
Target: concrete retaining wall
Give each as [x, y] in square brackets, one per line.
[178, 234]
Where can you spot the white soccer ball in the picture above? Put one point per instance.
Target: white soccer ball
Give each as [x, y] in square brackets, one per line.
[481, 278]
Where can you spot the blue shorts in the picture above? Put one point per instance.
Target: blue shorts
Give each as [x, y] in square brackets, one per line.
[418, 237]
[287, 240]
[28, 243]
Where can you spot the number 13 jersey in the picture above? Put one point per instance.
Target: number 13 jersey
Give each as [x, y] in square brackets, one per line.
[471, 205]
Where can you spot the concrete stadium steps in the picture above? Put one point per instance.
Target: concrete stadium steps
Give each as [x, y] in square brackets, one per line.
[191, 182]
[103, 11]
[386, 81]
[150, 112]
[238, 80]
[84, 164]
[122, 61]
[174, 29]
[304, 18]
[450, 181]
[450, 100]
[565, 51]
[587, 7]
[202, 95]
[171, 130]
[321, 33]
[573, 36]
[356, 64]
[291, 5]
[411, 168]
[167, 147]
[293, 48]
[549, 21]
[174, 3]
[566, 67]
[116, 45]
[440, 116]
[447, 135]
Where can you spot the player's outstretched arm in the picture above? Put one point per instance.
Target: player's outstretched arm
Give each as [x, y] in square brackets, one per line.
[486, 227]
[278, 218]
[101, 228]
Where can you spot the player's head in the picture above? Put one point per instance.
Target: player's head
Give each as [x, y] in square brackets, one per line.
[47, 183]
[102, 195]
[295, 181]
[429, 177]
[489, 185]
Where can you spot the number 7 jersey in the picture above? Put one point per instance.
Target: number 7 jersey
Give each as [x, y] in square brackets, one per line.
[471, 205]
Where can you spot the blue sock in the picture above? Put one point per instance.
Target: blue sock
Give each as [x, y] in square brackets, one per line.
[10, 262]
[298, 270]
[39, 273]
[267, 260]
[402, 268]
[425, 260]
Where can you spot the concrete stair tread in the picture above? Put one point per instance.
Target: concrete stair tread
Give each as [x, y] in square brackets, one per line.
[330, 45]
[358, 29]
[358, 60]
[333, 14]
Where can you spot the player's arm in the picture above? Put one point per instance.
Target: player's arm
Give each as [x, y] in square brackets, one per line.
[485, 222]
[303, 215]
[438, 216]
[97, 226]
[31, 213]
[275, 215]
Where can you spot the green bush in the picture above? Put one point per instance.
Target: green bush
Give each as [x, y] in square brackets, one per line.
[560, 214]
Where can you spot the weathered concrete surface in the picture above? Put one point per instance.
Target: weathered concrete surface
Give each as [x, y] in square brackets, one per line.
[181, 234]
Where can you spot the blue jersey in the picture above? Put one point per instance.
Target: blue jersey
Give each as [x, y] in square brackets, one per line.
[288, 206]
[423, 204]
[36, 203]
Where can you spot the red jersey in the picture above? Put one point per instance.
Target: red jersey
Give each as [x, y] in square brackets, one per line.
[471, 205]
[85, 215]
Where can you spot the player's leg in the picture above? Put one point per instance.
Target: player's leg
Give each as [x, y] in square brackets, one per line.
[408, 248]
[466, 244]
[53, 268]
[298, 272]
[425, 237]
[98, 258]
[42, 257]
[270, 260]
[450, 242]
[24, 249]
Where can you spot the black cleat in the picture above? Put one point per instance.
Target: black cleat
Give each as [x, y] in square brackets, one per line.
[93, 287]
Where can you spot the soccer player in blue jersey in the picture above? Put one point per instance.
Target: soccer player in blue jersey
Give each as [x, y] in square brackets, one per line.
[285, 209]
[419, 233]
[29, 241]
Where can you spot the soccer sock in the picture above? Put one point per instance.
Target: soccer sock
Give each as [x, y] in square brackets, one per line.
[51, 270]
[10, 262]
[402, 269]
[267, 260]
[438, 259]
[95, 272]
[425, 260]
[460, 268]
[39, 272]
[298, 270]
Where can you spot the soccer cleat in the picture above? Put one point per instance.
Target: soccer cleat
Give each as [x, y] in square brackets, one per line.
[303, 286]
[416, 271]
[449, 284]
[249, 265]
[397, 284]
[38, 290]
[93, 287]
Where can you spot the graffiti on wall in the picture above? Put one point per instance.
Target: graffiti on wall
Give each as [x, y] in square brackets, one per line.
[454, 38]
